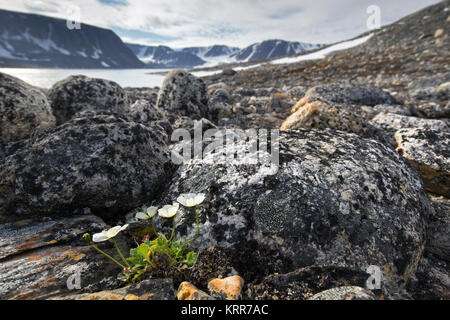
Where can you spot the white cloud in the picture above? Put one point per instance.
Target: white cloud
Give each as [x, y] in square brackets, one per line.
[231, 22]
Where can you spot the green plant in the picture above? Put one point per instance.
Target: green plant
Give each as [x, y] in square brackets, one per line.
[158, 254]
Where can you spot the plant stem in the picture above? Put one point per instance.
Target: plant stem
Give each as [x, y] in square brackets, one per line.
[108, 256]
[120, 253]
[173, 230]
[198, 226]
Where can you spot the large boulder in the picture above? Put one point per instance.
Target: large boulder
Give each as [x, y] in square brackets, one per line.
[428, 151]
[183, 94]
[80, 93]
[336, 199]
[345, 94]
[339, 117]
[100, 162]
[23, 110]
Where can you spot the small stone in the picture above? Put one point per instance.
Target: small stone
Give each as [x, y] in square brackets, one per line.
[229, 288]
[438, 33]
[187, 291]
[344, 293]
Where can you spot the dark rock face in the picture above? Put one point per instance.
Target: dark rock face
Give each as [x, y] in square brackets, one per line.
[23, 110]
[183, 94]
[80, 93]
[429, 153]
[439, 229]
[38, 257]
[337, 199]
[35, 41]
[103, 163]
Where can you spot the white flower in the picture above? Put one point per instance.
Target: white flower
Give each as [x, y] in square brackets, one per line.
[108, 234]
[150, 213]
[169, 211]
[191, 199]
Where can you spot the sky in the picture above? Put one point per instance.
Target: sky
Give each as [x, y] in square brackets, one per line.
[188, 23]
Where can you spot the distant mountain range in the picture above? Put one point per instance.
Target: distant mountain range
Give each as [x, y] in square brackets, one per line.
[29, 40]
[165, 57]
[36, 41]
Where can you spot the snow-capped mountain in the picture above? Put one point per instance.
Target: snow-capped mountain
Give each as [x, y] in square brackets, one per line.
[273, 49]
[165, 57]
[30, 40]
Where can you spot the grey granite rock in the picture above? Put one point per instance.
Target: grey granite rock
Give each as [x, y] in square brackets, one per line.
[101, 162]
[429, 153]
[80, 93]
[23, 110]
[336, 199]
[183, 94]
[348, 94]
[391, 122]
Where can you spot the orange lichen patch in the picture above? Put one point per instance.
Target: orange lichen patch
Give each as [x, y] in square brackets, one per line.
[131, 297]
[299, 104]
[75, 256]
[146, 296]
[301, 116]
[187, 291]
[27, 245]
[278, 95]
[229, 288]
[52, 242]
[34, 257]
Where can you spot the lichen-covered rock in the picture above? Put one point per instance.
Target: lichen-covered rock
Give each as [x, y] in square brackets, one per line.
[345, 94]
[148, 94]
[429, 153]
[23, 110]
[434, 110]
[336, 199]
[392, 122]
[153, 289]
[183, 94]
[431, 280]
[438, 231]
[40, 256]
[145, 112]
[104, 163]
[317, 115]
[80, 93]
[229, 288]
[344, 293]
[219, 104]
[187, 291]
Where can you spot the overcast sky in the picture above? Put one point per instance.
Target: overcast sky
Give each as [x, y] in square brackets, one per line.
[182, 23]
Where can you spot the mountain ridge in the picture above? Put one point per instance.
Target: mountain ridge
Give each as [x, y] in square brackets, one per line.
[37, 41]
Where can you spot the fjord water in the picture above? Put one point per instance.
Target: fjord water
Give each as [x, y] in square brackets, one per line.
[46, 78]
